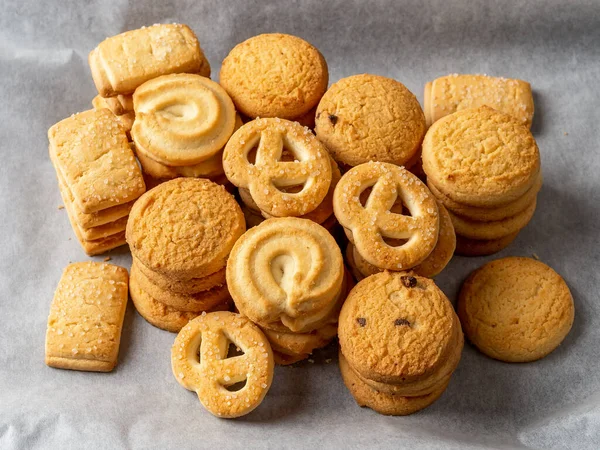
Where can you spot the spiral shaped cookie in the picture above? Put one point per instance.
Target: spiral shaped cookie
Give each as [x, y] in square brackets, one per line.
[285, 269]
[182, 119]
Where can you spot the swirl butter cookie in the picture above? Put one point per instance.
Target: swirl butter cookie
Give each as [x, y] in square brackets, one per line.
[256, 158]
[481, 157]
[181, 119]
[370, 118]
[201, 362]
[286, 269]
[397, 328]
[372, 224]
[383, 403]
[274, 75]
[184, 228]
[516, 309]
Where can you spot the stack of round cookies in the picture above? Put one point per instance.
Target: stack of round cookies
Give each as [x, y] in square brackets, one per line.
[366, 117]
[400, 342]
[392, 221]
[287, 276]
[180, 234]
[275, 75]
[281, 170]
[484, 166]
[182, 122]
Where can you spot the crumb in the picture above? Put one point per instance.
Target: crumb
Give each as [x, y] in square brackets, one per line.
[108, 258]
[565, 133]
[328, 360]
[312, 361]
[69, 238]
[61, 207]
[535, 256]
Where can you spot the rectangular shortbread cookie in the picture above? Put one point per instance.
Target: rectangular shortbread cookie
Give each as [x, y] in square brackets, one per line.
[86, 317]
[446, 95]
[119, 105]
[92, 154]
[125, 118]
[122, 63]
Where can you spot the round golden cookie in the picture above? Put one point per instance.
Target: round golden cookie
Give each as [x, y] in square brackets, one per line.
[159, 314]
[396, 327]
[274, 75]
[428, 384]
[392, 405]
[370, 118]
[201, 362]
[301, 343]
[254, 159]
[443, 251]
[182, 119]
[210, 168]
[325, 209]
[489, 214]
[184, 228]
[198, 302]
[515, 309]
[191, 286]
[286, 269]
[475, 247]
[373, 223]
[480, 157]
[493, 230]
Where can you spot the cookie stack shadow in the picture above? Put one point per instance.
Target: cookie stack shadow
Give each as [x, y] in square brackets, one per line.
[400, 343]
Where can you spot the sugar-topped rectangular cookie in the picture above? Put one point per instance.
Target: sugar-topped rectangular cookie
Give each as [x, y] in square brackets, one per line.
[446, 95]
[92, 154]
[121, 63]
[86, 317]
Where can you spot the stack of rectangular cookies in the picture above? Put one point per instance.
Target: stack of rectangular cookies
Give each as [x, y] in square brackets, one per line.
[98, 176]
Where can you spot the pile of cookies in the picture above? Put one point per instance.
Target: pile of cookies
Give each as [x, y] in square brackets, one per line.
[392, 221]
[287, 275]
[400, 342]
[180, 234]
[98, 177]
[406, 197]
[484, 166]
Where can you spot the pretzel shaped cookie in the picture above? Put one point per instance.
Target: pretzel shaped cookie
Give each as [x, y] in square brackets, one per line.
[181, 119]
[267, 176]
[286, 269]
[372, 223]
[201, 362]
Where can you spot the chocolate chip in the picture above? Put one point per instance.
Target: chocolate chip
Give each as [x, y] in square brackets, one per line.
[361, 321]
[408, 281]
[400, 322]
[333, 118]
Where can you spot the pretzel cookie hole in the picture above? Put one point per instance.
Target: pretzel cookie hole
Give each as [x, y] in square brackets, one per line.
[393, 242]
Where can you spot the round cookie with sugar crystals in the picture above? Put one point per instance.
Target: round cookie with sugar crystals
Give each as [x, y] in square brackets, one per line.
[184, 228]
[274, 75]
[480, 157]
[516, 309]
[367, 117]
[383, 403]
[396, 327]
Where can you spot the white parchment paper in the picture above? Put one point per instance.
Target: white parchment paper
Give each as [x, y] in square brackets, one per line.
[44, 77]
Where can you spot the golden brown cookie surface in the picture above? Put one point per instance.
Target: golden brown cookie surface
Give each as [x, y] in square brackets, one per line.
[480, 157]
[396, 327]
[370, 118]
[515, 309]
[274, 75]
[185, 228]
